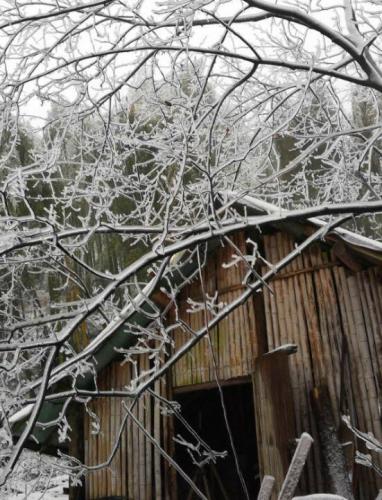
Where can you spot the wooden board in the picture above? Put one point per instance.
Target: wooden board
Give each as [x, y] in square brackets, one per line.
[274, 414]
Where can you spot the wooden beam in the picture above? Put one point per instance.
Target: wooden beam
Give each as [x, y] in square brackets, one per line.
[296, 467]
[266, 488]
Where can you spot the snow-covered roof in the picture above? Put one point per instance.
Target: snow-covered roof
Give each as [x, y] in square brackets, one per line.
[264, 207]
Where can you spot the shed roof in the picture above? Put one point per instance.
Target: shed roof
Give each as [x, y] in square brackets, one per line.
[114, 336]
[261, 206]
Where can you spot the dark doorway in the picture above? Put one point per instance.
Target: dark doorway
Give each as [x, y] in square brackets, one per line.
[202, 409]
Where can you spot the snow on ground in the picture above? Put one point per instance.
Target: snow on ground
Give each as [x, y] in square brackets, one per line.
[55, 492]
[49, 495]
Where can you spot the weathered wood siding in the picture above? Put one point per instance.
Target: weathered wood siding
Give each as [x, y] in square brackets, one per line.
[234, 341]
[335, 317]
[137, 471]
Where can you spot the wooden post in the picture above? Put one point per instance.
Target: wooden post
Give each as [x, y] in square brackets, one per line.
[296, 466]
[266, 488]
[274, 414]
[321, 496]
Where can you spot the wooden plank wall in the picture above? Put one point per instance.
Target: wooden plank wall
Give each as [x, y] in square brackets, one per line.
[335, 318]
[332, 314]
[360, 298]
[137, 471]
[234, 340]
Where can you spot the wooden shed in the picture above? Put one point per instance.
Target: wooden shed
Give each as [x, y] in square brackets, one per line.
[324, 308]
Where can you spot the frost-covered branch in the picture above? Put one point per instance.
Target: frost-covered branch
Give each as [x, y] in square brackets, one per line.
[136, 135]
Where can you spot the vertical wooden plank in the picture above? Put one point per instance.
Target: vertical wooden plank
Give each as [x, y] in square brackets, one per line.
[171, 318]
[97, 442]
[190, 373]
[94, 447]
[130, 447]
[268, 319]
[238, 331]
[117, 410]
[142, 439]
[303, 360]
[245, 353]
[165, 443]
[113, 433]
[187, 375]
[149, 447]
[328, 329]
[220, 326]
[369, 397]
[308, 296]
[123, 451]
[197, 350]
[181, 364]
[244, 347]
[92, 444]
[214, 339]
[157, 436]
[136, 454]
[86, 453]
[284, 333]
[269, 301]
[261, 416]
[316, 361]
[255, 342]
[271, 256]
[171, 443]
[202, 323]
[222, 284]
[303, 382]
[274, 411]
[107, 489]
[107, 437]
[232, 333]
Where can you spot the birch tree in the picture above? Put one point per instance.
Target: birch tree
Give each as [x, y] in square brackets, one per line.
[165, 114]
